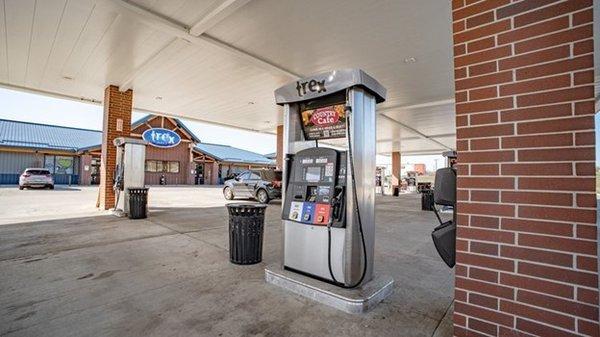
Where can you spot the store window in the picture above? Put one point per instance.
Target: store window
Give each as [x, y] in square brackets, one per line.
[173, 167]
[49, 163]
[60, 164]
[150, 165]
[162, 166]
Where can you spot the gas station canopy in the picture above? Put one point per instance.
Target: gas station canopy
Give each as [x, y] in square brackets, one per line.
[220, 61]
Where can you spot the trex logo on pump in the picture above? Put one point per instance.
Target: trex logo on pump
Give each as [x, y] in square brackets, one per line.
[312, 86]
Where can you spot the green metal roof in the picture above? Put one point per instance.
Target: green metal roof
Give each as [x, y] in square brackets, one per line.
[44, 136]
[231, 154]
[54, 137]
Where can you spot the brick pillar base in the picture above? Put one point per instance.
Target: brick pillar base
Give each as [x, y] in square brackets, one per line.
[116, 123]
[279, 158]
[215, 173]
[526, 240]
[396, 168]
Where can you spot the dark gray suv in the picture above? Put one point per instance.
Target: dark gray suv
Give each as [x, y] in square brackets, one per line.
[262, 185]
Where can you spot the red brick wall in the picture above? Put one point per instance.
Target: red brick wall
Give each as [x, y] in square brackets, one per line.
[396, 168]
[117, 106]
[526, 243]
[179, 153]
[85, 177]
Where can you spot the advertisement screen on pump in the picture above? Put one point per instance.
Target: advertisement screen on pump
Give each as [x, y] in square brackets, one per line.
[324, 122]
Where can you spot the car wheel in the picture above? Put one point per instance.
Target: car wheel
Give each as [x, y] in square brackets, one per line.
[51, 187]
[262, 196]
[21, 188]
[228, 193]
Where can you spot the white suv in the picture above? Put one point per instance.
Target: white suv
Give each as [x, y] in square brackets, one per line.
[36, 177]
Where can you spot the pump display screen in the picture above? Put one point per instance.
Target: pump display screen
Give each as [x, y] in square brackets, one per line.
[324, 122]
[313, 174]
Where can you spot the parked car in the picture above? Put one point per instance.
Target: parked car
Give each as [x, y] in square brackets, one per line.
[262, 185]
[36, 177]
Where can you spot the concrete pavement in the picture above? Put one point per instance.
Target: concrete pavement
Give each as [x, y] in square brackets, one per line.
[169, 275]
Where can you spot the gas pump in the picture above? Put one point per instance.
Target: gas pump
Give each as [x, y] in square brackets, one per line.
[129, 171]
[328, 209]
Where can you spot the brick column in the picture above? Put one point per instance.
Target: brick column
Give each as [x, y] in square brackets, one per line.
[85, 177]
[116, 123]
[396, 168]
[215, 174]
[279, 158]
[526, 242]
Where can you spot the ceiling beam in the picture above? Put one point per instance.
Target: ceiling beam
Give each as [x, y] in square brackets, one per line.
[416, 106]
[443, 135]
[415, 152]
[166, 26]
[397, 140]
[421, 152]
[422, 135]
[219, 11]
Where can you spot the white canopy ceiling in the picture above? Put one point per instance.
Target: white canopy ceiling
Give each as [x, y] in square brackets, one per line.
[220, 60]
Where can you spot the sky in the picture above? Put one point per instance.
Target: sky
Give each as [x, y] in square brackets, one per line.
[28, 107]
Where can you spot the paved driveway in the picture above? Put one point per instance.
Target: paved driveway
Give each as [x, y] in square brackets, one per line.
[66, 202]
[70, 270]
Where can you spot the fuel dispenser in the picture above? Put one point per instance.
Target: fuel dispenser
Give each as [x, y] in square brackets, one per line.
[328, 209]
[129, 171]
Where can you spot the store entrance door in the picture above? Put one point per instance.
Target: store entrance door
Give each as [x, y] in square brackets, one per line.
[199, 174]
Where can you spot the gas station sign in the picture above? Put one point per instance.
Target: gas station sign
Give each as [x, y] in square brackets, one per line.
[325, 122]
[160, 137]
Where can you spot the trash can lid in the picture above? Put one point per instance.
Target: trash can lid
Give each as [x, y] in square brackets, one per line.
[136, 189]
[245, 205]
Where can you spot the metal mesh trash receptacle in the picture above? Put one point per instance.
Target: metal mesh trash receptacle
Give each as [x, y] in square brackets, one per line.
[246, 228]
[138, 202]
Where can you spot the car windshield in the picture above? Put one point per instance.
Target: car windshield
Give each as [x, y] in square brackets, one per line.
[271, 175]
[38, 172]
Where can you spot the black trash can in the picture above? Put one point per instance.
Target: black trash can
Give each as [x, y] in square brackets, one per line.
[427, 200]
[246, 228]
[138, 202]
[396, 191]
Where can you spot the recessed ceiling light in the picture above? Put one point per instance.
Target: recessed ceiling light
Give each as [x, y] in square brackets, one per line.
[410, 60]
[158, 98]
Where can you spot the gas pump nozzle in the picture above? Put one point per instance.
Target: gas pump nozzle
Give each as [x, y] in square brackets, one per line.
[118, 178]
[336, 203]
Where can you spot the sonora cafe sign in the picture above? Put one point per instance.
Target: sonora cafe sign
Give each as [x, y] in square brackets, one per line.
[160, 137]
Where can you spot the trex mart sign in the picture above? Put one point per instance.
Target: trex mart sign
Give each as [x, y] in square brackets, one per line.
[163, 138]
